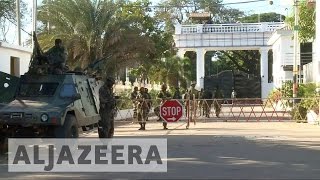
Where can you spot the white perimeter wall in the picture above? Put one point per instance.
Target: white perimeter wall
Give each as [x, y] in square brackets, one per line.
[7, 51]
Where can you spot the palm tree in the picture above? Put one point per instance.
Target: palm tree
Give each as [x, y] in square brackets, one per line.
[173, 71]
[94, 30]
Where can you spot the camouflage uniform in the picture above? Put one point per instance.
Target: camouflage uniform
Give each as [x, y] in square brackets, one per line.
[217, 103]
[57, 56]
[177, 94]
[133, 98]
[207, 96]
[193, 95]
[149, 101]
[143, 108]
[201, 102]
[163, 95]
[107, 109]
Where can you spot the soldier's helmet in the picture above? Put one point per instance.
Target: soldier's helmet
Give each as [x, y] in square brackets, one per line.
[142, 89]
[58, 42]
[164, 87]
[109, 80]
[193, 83]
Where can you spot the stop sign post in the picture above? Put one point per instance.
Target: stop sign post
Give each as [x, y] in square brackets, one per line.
[171, 111]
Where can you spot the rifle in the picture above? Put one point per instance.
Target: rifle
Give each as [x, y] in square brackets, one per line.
[95, 67]
[38, 58]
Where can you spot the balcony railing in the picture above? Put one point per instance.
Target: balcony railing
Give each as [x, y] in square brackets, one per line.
[229, 28]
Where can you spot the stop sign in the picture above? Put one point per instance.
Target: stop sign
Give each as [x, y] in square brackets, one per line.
[171, 111]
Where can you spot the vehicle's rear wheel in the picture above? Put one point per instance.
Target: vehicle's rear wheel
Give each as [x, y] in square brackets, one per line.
[69, 128]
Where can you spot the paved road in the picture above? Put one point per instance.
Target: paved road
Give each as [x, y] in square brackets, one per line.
[220, 150]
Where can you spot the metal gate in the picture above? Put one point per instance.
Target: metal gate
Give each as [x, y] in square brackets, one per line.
[234, 110]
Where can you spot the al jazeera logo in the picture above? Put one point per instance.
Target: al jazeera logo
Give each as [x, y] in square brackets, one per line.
[87, 155]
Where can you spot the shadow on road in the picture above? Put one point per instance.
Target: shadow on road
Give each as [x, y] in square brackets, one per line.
[223, 157]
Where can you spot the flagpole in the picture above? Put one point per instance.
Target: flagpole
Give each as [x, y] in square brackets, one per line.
[34, 19]
[18, 22]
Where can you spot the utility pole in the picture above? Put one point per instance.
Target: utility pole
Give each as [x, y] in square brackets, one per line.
[18, 22]
[34, 19]
[296, 48]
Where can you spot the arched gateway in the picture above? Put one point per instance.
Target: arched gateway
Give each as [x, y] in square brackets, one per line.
[239, 36]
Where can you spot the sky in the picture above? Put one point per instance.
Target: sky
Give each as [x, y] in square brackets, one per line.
[279, 6]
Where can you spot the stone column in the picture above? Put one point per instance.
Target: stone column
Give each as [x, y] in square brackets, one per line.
[265, 87]
[200, 66]
[181, 53]
[178, 28]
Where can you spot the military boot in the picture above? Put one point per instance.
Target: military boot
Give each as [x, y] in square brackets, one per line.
[102, 132]
[141, 127]
[165, 126]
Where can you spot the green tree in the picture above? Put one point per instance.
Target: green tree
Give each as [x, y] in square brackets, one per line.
[114, 32]
[7, 9]
[264, 17]
[8, 16]
[172, 71]
[307, 24]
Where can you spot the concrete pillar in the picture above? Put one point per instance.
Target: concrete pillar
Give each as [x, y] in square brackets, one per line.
[178, 28]
[199, 28]
[265, 87]
[317, 48]
[181, 53]
[200, 66]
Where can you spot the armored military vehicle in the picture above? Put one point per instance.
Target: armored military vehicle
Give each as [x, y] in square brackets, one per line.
[46, 104]
[52, 106]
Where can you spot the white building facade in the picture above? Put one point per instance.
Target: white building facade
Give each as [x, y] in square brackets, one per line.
[282, 48]
[14, 59]
[202, 38]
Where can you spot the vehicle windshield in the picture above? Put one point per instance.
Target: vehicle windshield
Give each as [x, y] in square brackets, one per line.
[37, 89]
[68, 91]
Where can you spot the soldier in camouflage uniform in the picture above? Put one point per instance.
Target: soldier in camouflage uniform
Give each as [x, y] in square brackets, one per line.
[193, 95]
[207, 96]
[149, 101]
[133, 98]
[218, 95]
[143, 108]
[57, 56]
[163, 95]
[177, 94]
[107, 109]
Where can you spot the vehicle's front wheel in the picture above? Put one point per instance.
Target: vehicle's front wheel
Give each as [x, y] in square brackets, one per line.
[69, 128]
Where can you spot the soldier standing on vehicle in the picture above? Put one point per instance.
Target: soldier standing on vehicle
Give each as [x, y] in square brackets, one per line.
[218, 95]
[57, 56]
[149, 101]
[143, 108]
[107, 109]
[163, 95]
[133, 98]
